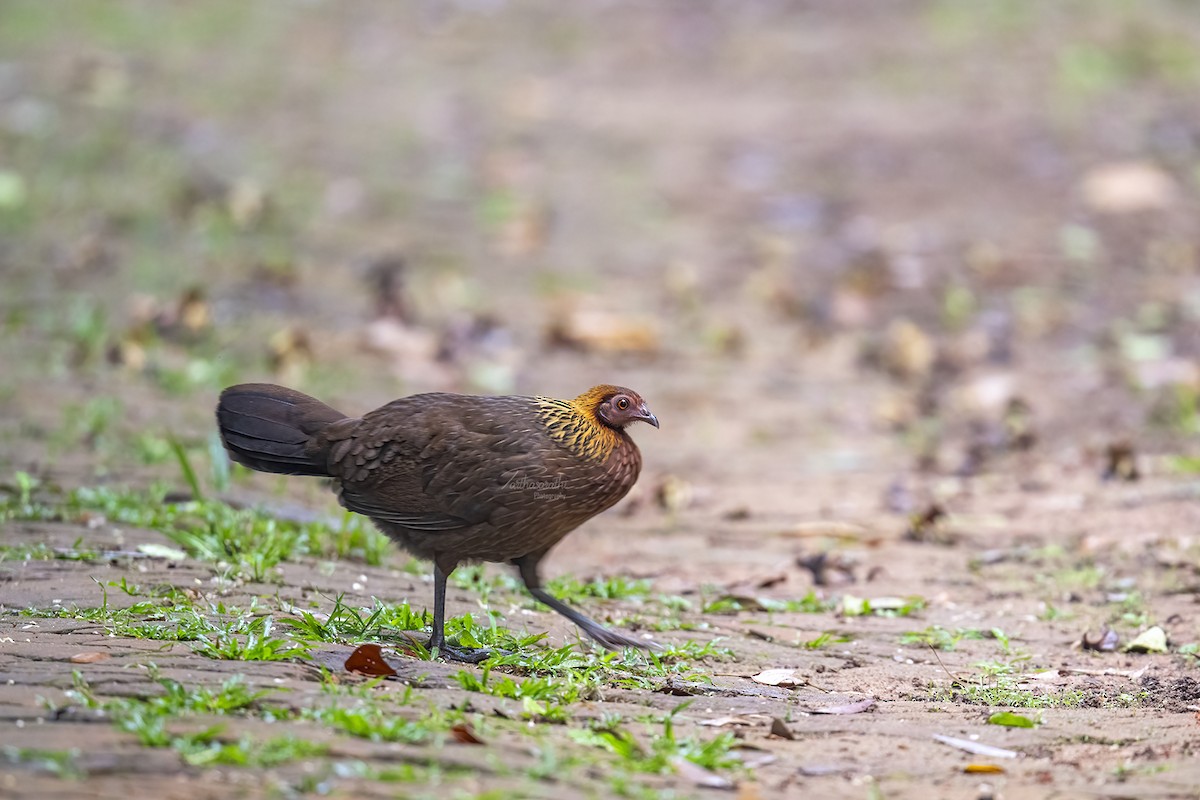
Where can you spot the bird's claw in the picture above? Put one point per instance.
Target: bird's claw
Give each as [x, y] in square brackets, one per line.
[468, 655]
[614, 640]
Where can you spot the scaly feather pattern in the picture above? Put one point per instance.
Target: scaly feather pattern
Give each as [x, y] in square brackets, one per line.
[450, 477]
[574, 423]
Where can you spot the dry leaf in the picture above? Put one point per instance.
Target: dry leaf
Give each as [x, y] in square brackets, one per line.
[1106, 642]
[779, 728]
[721, 722]
[1128, 187]
[602, 332]
[770, 580]
[819, 529]
[820, 770]
[367, 659]
[291, 352]
[1132, 674]
[673, 494]
[192, 311]
[828, 568]
[392, 337]
[700, 776]
[907, 351]
[386, 277]
[1050, 677]
[88, 658]
[1120, 462]
[924, 526]
[856, 707]
[754, 757]
[128, 352]
[463, 734]
[784, 678]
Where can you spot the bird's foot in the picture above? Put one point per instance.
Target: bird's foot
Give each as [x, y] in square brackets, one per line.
[468, 655]
[615, 640]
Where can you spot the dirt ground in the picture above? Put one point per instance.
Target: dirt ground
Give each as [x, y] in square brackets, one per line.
[914, 288]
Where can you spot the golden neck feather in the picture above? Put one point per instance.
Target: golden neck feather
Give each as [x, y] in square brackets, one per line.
[575, 424]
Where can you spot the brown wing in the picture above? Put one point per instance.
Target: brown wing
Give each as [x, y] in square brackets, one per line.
[436, 462]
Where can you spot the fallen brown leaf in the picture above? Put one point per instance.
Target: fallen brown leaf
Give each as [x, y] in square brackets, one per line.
[779, 728]
[925, 525]
[770, 580]
[602, 332]
[88, 658]
[907, 352]
[367, 659]
[1106, 642]
[673, 494]
[1121, 462]
[291, 352]
[463, 734]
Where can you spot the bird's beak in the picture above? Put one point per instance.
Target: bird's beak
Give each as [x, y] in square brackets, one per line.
[647, 416]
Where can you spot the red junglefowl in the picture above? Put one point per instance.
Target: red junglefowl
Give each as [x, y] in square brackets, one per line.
[455, 478]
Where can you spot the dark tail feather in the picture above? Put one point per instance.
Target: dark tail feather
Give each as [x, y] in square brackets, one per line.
[274, 429]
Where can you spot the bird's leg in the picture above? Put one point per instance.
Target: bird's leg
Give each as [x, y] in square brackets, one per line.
[437, 640]
[528, 566]
[438, 637]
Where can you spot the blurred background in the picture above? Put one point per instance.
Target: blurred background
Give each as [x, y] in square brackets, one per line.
[912, 285]
[848, 251]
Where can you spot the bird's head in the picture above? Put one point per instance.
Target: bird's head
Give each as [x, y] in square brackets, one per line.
[616, 406]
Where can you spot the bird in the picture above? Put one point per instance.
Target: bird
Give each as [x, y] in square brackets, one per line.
[455, 478]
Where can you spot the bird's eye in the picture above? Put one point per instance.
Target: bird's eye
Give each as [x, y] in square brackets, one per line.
[623, 404]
